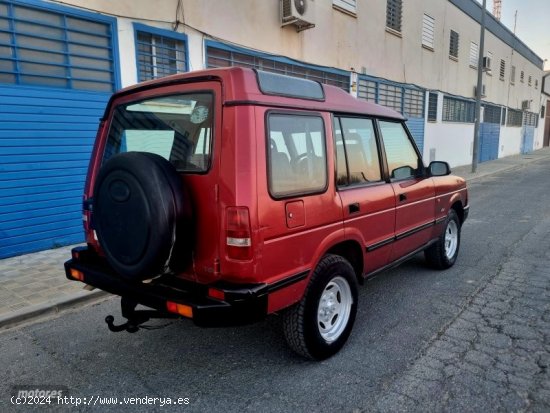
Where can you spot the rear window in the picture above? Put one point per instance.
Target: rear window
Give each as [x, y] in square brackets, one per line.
[296, 155]
[177, 127]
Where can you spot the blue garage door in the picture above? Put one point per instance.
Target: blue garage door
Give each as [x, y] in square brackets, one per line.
[57, 72]
[489, 133]
[405, 99]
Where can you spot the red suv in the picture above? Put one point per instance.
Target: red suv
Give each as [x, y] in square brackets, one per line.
[227, 195]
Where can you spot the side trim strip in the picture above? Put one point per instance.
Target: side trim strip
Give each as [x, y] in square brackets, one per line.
[402, 235]
[287, 281]
[440, 220]
[414, 230]
[380, 244]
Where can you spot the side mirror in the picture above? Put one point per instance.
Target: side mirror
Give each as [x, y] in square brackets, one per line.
[439, 168]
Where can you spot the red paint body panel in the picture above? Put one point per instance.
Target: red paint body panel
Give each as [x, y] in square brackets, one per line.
[288, 236]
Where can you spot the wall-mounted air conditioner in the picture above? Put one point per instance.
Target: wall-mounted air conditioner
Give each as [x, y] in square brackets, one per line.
[487, 64]
[483, 91]
[300, 13]
[525, 104]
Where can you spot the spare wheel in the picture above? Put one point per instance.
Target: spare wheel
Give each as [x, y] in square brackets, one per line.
[142, 214]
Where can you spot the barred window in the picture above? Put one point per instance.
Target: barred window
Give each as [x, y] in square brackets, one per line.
[522, 76]
[503, 117]
[366, 90]
[428, 28]
[513, 75]
[491, 114]
[159, 55]
[515, 117]
[530, 80]
[453, 44]
[394, 14]
[413, 105]
[502, 69]
[390, 96]
[531, 119]
[432, 107]
[474, 54]
[53, 49]
[536, 83]
[217, 57]
[458, 110]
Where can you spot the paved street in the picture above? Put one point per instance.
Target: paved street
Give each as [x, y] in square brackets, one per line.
[473, 338]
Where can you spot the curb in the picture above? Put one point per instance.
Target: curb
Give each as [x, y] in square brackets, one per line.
[51, 307]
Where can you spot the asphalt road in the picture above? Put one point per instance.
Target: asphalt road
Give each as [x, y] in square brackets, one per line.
[405, 315]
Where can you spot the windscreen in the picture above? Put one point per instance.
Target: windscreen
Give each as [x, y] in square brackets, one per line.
[176, 127]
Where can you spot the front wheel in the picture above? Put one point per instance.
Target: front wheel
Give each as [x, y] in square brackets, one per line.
[443, 253]
[318, 326]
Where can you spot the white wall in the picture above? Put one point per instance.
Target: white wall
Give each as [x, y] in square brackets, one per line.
[510, 141]
[452, 142]
[127, 50]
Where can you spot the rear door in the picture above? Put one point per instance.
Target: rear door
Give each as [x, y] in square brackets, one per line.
[413, 191]
[368, 201]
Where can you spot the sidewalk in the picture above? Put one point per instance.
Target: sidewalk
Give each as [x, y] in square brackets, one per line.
[34, 284]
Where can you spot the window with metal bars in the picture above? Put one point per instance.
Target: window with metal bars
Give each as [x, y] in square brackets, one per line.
[530, 119]
[159, 53]
[218, 57]
[394, 14]
[52, 49]
[522, 76]
[453, 44]
[515, 117]
[413, 103]
[458, 110]
[530, 80]
[513, 75]
[432, 107]
[491, 114]
[536, 83]
[428, 28]
[503, 117]
[474, 55]
[502, 69]
[404, 99]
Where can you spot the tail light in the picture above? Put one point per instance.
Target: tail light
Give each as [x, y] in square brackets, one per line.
[238, 240]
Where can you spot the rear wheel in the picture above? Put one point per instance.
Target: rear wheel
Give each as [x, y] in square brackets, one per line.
[319, 325]
[443, 253]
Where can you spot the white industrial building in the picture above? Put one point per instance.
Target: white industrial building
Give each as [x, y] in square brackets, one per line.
[60, 61]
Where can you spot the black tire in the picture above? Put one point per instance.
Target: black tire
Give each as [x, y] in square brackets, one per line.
[142, 215]
[301, 322]
[436, 255]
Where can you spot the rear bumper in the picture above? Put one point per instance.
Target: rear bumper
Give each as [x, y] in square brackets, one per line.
[242, 303]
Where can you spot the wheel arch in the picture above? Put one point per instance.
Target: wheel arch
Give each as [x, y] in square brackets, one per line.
[351, 251]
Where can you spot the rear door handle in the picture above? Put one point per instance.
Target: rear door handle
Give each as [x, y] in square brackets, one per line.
[402, 197]
[354, 208]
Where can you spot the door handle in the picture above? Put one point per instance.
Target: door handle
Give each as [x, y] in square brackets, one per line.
[402, 197]
[354, 208]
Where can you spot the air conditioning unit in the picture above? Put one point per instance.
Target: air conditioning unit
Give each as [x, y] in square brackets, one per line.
[525, 104]
[300, 13]
[483, 90]
[487, 64]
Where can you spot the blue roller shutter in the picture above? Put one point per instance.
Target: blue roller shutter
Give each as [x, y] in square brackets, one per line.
[57, 71]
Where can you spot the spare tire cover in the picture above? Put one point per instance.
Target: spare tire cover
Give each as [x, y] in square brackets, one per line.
[140, 209]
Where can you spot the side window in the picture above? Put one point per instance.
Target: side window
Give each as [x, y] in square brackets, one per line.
[402, 159]
[360, 149]
[296, 155]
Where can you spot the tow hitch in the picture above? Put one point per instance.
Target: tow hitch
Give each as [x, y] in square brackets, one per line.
[135, 317]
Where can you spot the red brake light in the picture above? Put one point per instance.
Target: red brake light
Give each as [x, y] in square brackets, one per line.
[238, 240]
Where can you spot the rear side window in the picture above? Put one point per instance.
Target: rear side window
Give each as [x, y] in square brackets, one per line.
[356, 152]
[178, 128]
[297, 162]
[403, 161]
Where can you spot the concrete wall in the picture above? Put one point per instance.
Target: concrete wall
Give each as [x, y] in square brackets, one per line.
[510, 141]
